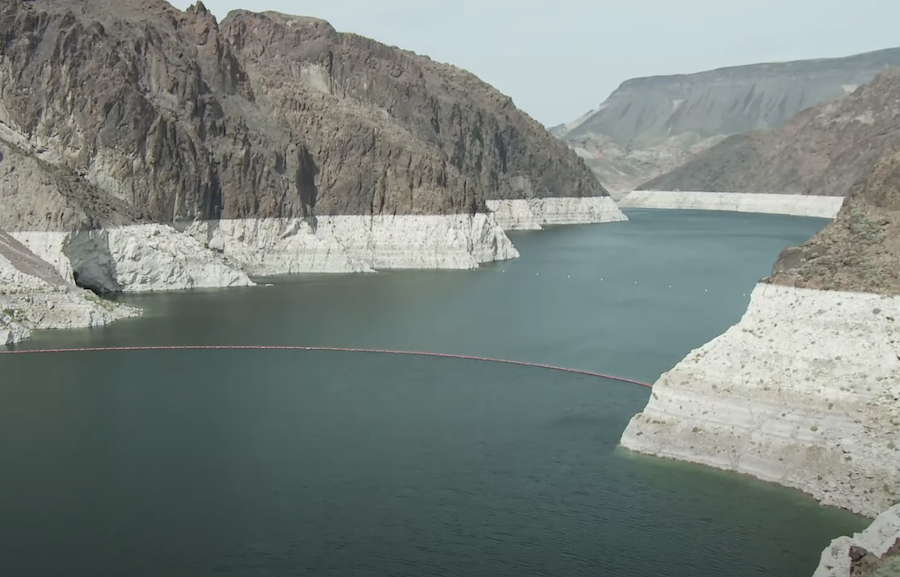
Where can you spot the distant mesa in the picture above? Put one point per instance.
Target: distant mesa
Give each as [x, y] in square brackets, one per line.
[823, 151]
[650, 126]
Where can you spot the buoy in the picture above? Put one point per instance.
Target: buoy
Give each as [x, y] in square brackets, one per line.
[670, 286]
[570, 276]
[706, 290]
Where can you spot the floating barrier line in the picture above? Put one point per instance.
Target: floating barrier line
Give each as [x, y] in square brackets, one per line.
[328, 349]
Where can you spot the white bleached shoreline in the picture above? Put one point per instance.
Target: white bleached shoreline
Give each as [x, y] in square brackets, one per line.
[29, 303]
[787, 204]
[211, 254]
[536, 213]
[803, 392]
[357, 243]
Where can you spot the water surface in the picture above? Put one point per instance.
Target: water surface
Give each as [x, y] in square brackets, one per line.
[192, 463]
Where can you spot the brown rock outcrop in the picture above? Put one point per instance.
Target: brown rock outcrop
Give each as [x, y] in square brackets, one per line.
[166, 116]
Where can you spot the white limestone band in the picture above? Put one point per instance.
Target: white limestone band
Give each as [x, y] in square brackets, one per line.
[787, 204]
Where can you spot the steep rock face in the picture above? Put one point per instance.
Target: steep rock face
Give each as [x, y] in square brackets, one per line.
[824, 151]
[649, 126]
[264, 116]
[124, 124]
[805, 389]
[392, 132]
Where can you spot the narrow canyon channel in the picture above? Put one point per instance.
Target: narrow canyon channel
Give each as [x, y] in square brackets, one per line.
[223, 462]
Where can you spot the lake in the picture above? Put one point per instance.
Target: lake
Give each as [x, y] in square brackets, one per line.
[274, 462]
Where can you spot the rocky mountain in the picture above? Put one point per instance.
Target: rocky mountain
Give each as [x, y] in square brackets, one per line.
[147, 148]
[160, 115]
[650, 126]
[823, 151]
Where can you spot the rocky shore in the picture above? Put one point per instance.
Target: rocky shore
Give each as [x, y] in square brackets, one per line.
[146, 148]
[805, 390]
[873, 553]
[536, 213]
[34, 296]
[223, 253]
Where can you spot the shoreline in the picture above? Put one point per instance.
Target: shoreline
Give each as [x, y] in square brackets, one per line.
[226, 253]
[798, 393]
[786, 204]
[536, 213]
[879, 543]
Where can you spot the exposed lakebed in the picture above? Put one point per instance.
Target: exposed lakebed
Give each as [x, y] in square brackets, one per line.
[285, 463]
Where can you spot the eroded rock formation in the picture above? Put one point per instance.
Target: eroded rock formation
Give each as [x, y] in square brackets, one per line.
[177, 117]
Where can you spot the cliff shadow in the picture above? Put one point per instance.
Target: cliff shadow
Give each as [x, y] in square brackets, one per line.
[93, 266]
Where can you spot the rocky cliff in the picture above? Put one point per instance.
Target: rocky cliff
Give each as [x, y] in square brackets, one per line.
[805, 389]
[823, 151]
[264, 115]
[146, 148]
[649, 126]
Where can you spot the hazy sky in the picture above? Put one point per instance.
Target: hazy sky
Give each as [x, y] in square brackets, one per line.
[560, 58]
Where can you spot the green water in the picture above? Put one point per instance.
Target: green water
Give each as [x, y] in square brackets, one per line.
[194, 463]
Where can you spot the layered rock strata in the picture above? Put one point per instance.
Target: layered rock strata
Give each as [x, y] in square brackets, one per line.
[789, 204]
[137, 258]
[536, 213]
[357, 243]
[805, 390]
[144, 148]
